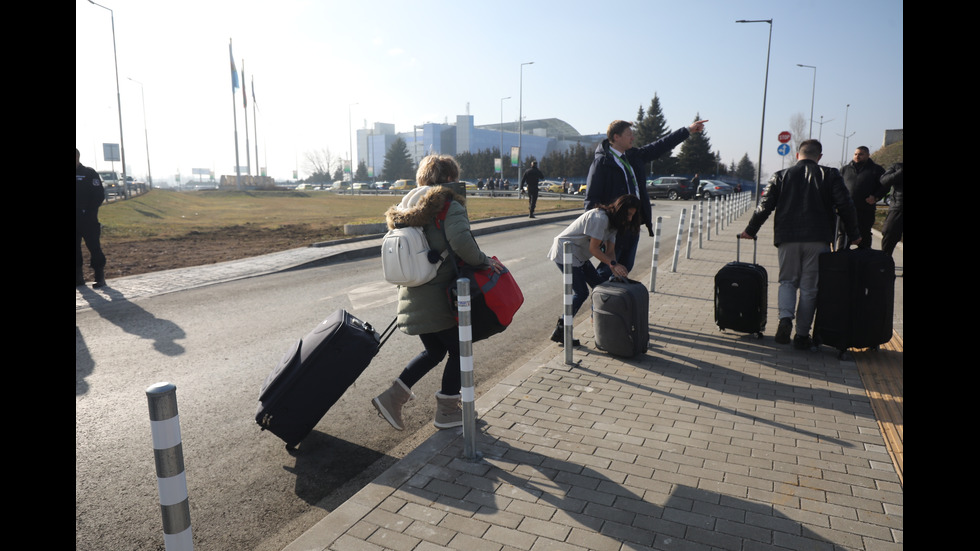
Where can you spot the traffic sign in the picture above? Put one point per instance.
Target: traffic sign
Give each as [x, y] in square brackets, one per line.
[783, 150]
[784, 137]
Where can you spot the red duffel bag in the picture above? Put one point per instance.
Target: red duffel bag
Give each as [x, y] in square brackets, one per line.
[494, 299]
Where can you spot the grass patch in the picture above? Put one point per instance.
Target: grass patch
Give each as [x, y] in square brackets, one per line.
[162, 214]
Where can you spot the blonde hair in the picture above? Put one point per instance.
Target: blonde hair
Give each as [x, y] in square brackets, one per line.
[437, 169]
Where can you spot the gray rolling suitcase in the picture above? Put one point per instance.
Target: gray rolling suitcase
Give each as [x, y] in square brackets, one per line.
[620, 317]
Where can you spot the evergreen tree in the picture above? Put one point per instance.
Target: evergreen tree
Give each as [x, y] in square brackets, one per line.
[361, 174]
[649, 129]
[398, 163]
[695, 156]
[745, 170]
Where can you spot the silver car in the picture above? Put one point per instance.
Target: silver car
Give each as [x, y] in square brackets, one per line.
[714, 188]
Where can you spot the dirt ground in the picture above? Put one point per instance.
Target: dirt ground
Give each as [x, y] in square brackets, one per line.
[125, 258]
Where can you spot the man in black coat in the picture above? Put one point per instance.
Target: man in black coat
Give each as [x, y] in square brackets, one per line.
[893, 179]
[862, 176]
[805, 198]
[89, 194]
[531, 178]
[620, 169]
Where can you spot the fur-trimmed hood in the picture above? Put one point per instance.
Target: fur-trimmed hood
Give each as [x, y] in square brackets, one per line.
[421, 206]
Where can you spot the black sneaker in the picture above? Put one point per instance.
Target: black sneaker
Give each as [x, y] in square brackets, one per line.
[784, 330]
[802, 342]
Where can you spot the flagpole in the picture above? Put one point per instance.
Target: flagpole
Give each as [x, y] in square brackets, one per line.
[234, 115]
[248, 154]
[255, 121]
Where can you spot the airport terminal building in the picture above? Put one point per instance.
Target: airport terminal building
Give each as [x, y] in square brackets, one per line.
[540, 137]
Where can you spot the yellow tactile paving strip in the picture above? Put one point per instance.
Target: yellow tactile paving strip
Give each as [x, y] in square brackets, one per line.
[882, 373]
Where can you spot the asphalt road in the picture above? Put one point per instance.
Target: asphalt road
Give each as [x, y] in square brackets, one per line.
[217, 344]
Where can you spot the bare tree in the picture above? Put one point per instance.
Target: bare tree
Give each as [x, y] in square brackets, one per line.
[797, 127]
[318, 164]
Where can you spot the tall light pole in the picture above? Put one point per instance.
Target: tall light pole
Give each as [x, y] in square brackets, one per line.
[350, 152]
[843, 145]
[765, 89]
[812, 95]
[502, 137]
[146, 134]
[115, 57]
[520, 129]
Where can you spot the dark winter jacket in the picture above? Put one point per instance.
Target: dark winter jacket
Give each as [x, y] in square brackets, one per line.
[89, 194]
[862, 180]
[531, 178]
[607, 181]
[893, 179]
[805, 198]
[426, 309]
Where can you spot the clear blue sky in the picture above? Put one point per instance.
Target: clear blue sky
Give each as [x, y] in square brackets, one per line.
[411, 62]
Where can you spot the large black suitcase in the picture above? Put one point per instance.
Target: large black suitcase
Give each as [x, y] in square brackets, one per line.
[314, 373]
[855, 298]
[620, 317]
[742, 294]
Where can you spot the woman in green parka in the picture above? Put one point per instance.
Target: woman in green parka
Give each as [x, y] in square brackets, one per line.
[425, 310]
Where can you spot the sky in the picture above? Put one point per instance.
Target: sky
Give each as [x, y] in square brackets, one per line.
[322, 68]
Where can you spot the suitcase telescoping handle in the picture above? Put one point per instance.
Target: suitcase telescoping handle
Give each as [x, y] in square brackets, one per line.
[738, 249]
[387, 333]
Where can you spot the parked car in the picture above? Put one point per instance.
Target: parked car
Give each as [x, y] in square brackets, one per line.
[381, 185]
[712, 188]
[470, 186]
[671, 187]
[403, 184]
[358, 186]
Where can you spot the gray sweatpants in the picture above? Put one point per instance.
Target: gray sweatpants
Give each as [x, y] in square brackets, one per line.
[798, 272]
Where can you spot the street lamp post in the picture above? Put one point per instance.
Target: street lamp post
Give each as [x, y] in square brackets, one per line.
[502, 137]
[350, 152]
[115, 57]
[146, 134]
[812, 94]
[520, 128]
[765, 89]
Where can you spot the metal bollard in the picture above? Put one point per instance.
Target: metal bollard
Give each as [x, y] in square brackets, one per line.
[467, 389]
[711, 203]
[690, 231]
[701, 224]
[679, 240]
[168, 454]
[656, 255]
[568, 316]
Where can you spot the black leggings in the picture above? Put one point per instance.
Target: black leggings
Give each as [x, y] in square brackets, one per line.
[437, 345]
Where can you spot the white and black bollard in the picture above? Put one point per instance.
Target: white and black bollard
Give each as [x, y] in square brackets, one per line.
[701, 224]
[467, 389]
[168, 454]
[656, 254]
[680, 239]
[690, 230]
[567, 315]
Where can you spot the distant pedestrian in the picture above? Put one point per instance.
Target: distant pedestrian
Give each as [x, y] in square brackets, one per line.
[89, 195]
[531, 178]
[804, 197]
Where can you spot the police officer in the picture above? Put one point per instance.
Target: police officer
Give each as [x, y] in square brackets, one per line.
[89, 194]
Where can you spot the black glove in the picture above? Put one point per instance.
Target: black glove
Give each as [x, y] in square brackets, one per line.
[650, 229]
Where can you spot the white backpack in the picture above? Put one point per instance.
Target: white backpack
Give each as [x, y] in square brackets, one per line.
[405, 251]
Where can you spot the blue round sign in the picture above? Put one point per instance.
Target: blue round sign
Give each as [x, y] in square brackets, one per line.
[783, 149]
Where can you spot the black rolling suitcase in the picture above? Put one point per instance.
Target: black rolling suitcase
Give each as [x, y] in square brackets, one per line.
[855, 299]
[314, 373]
[742, 294]
[620, 317]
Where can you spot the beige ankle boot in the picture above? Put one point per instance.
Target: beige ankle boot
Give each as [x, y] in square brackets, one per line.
[449, 411]
[389, 403]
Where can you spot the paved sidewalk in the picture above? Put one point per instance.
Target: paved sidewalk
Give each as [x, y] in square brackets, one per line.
[712, 440]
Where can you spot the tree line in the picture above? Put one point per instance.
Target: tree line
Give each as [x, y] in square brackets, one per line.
[694, 157]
